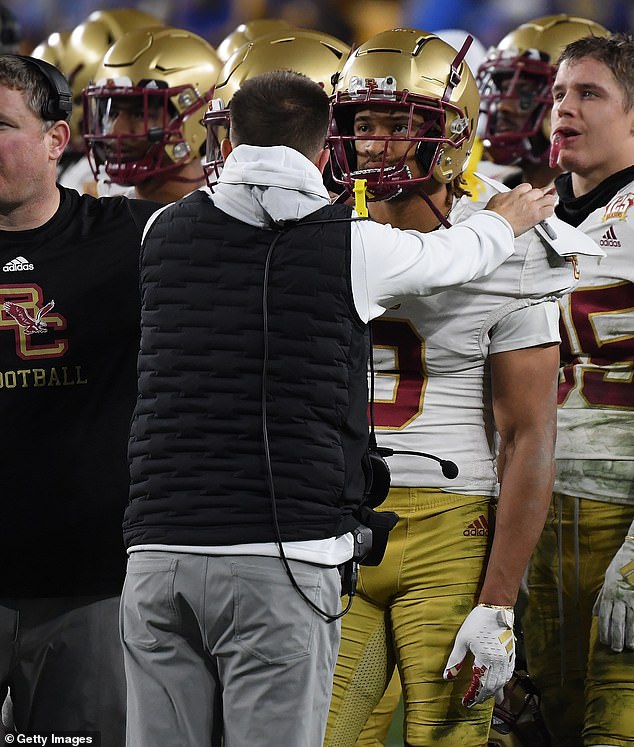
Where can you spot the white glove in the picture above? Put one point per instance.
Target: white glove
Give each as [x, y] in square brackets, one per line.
[488, 633]
[615, 603]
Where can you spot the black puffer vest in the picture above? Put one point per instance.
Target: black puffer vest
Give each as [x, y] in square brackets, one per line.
[197, 449]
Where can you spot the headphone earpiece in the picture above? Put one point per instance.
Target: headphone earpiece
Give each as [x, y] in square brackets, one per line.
[59, 104]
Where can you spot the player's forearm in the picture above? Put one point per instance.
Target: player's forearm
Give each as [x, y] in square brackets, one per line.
[525, 496]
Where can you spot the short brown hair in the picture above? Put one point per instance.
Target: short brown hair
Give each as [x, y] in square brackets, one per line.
[616, 52]
[280, 108]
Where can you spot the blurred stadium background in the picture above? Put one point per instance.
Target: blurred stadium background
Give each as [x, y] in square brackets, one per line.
[353, 21]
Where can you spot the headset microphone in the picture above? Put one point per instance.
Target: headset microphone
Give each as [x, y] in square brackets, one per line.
[449, 469]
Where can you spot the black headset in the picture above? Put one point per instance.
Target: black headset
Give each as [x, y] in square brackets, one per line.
[59, 103]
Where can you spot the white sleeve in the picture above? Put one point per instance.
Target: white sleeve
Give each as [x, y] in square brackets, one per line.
[388, 263]
[533, 325]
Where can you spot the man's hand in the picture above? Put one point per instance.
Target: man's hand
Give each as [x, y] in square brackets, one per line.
[523, 207]
[615, 603]
[488, 633]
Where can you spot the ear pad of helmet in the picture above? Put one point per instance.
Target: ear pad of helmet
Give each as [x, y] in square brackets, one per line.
[343, 151]
[425, 155]
[328, 179]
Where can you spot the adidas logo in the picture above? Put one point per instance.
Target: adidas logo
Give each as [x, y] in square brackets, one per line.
[17, 264]
[609, 238]
[477, 528]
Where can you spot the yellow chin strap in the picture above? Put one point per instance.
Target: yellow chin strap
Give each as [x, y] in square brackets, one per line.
[360, 204]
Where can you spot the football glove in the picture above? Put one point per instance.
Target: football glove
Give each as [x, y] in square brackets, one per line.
[487, 633]
[615, 603]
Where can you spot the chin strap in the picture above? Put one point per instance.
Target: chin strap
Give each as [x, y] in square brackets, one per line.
[444, 220]
[360, 203]
[343, 197]
[348, 192]
[454, 76]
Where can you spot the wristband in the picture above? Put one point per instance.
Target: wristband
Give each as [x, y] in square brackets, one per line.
[496, 606]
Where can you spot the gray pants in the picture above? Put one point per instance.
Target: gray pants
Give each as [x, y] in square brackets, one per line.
[62, 660]
[226, 644]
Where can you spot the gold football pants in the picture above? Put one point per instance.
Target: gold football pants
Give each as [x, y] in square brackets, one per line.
[407, 613]
[587, 690]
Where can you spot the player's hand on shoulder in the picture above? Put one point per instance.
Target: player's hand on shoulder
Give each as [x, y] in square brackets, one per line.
[523, 207]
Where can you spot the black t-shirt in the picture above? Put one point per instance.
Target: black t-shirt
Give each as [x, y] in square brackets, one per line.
[69, 333]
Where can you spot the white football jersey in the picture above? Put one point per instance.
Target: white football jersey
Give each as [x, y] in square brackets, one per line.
[431, 382]
[595, 441]
[498, 171]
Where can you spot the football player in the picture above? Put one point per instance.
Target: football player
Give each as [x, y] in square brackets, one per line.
[77, 54]
[515, 84]
[579, 626]
[143, 114]
[450, 371]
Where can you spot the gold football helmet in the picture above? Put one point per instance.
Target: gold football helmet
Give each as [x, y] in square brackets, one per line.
[248, 32]
[143, 115]
[519, 73]
[87, 45]
[53, 49]
[418, 73]
[317, 55]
